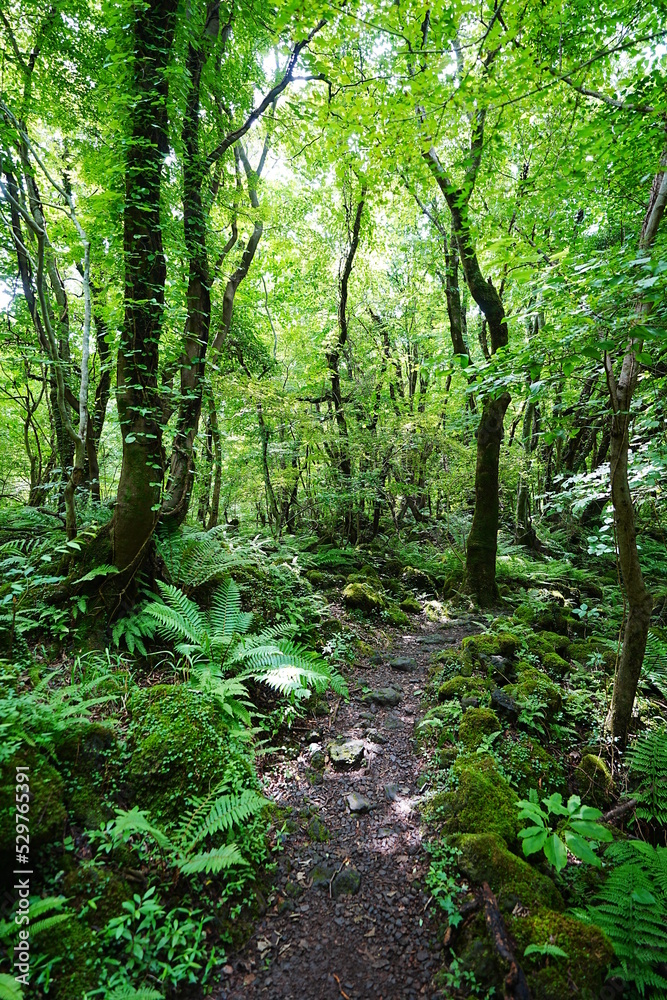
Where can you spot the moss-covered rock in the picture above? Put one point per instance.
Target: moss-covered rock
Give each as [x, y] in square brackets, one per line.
[397, 617]
[594, 780]
[551, 619]
[105, 887]
[320, 580]
[179, 746]
[460, 687]
[417, 578]
[535, 683]
[483, 801]
[361, 595]
[582, 650]
[77, 949]
[528, 765]
[488, 644]
[546, 645]
[486, 858]
[87, 756]
[47, 806]
[411, 605]
[475, 724]
[555, 664]
[581, 974]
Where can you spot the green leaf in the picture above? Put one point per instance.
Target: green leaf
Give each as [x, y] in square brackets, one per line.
[581, 849]
[555, 852]
[534, 843]
[592, 830]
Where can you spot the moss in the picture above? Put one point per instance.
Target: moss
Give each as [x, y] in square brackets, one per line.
[179, 746]
[594, 780]
[483, 802]
[475, 724]
[361, 595]
[502, 644]
[552, 619]
[47, 807]
[411, 605]
[525, 613]
[486, 858]
[320, 580]
[460, 686]
[106, 888]
[581, 974]
[532, 682]
[87, 756]
[397, 617]
[528, 765]
[582, 649]
[555, 664]
[417, 578]
[558, 643]
[76, 973]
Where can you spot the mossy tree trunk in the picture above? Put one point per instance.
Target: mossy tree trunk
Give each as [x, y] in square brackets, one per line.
[482, 541]
[137, 396]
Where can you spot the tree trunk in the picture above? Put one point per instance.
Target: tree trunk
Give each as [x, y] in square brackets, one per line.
[639, 600]
[482, 542]
[138, 498]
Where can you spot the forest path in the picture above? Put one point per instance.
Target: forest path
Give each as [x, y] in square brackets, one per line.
[350, 916]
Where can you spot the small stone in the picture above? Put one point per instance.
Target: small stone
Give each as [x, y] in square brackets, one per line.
[376, 659]
[392, 723]
[500, 666]
[385, 697]
[317, 759]
[469, 702]
[391, 792]
[314, 736]
[346, 883]
[357, 803]
[346, 756]
[377, 738]
[403, 663]
[505, 706]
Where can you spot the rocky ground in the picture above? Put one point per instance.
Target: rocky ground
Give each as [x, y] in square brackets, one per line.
[350, 915]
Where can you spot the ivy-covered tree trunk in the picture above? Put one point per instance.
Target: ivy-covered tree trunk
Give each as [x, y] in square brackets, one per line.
[138, 498]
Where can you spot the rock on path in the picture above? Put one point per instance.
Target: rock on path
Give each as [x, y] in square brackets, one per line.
[349, 916]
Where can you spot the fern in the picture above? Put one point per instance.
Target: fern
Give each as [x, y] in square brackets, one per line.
[654, 667]
[225, 812]
[9, 988]
[130, 993]
[215, 642]
[647, 762]
[630, 909]
[213, 862]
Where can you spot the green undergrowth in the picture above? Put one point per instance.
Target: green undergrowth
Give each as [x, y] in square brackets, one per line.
[517, 712]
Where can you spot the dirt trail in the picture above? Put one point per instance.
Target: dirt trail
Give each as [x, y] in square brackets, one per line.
[377, 939]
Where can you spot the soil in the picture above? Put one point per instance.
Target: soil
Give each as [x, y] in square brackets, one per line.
[380, 941]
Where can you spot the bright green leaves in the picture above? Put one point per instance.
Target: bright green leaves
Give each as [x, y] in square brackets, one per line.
[576, 829]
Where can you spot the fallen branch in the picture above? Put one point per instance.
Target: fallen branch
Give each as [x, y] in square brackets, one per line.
[619, 811]
[516, 986]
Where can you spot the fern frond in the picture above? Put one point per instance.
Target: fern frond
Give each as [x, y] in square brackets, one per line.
[9, 988]
[179, 617]
[647, 761]
[130, 993]
[212, 862]
[228, 811]
[226, 617]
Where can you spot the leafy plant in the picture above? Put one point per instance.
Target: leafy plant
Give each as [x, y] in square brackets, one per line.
[647, 764]
[576, 832]
[217, 813]
[546, 950]
[442, 880]
[216, 643]
[630, 908]
[532, 714]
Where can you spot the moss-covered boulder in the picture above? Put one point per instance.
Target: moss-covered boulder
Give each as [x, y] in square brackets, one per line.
[417, 578]
[410, 605]
[551, 619]
[397, 617]
[460, 687]
[528, 765]
[88, 757]
[47, 806]
[322, 581]
[485, 858]
[487, 644]
[535, 683]
[179, 745]
[77, 971]
[582, 650]
[107, 889]
[552, 651]
[362, 596]
[482, 802]
[581, 974]
[475, 724]
[594, 781]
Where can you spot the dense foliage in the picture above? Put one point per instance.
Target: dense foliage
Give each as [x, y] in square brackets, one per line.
[312, 316]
